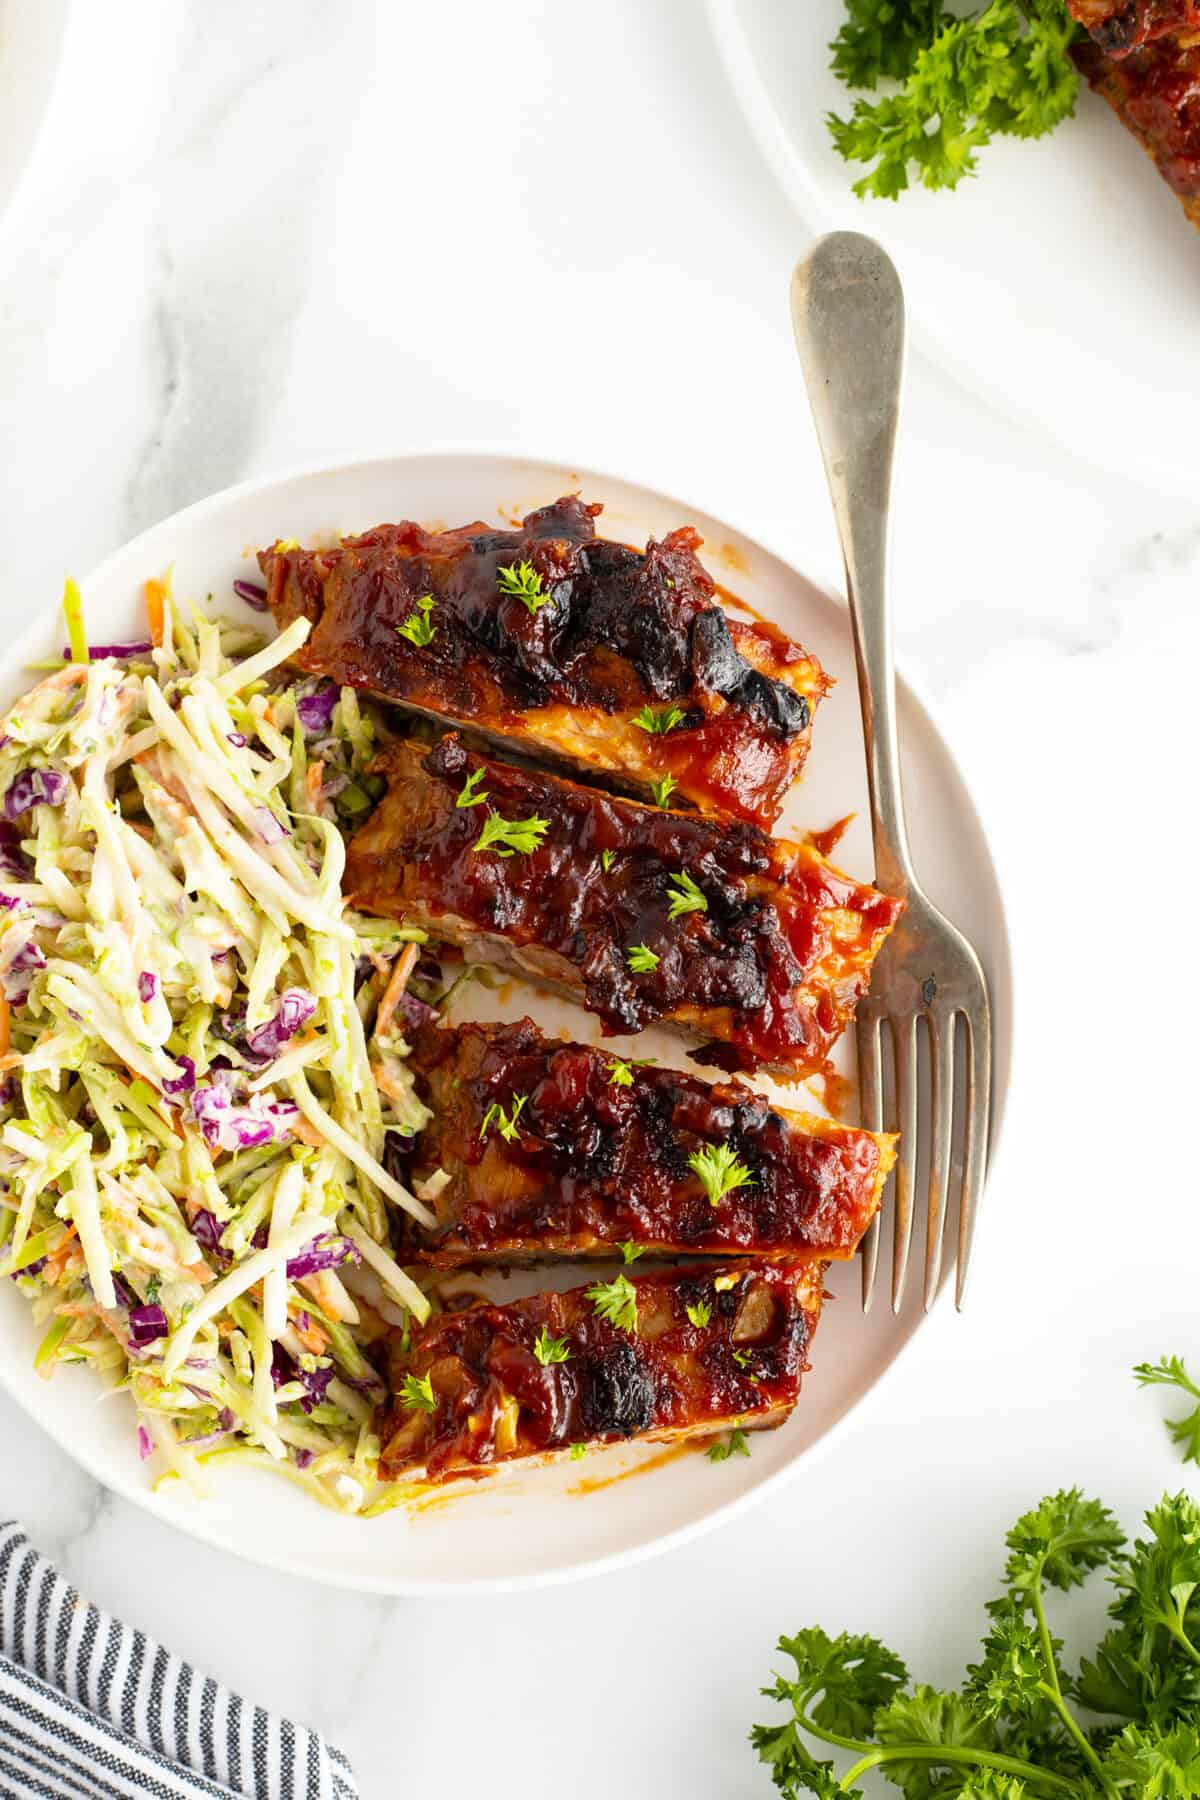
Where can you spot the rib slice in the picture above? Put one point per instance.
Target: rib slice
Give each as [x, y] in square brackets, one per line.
[1119, 26]
[641, 914]
[734, 1359]
[562, 674]
[1155, 92]
[589, 1152]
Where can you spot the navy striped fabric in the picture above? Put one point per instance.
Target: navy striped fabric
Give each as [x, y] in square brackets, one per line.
[91, 1710]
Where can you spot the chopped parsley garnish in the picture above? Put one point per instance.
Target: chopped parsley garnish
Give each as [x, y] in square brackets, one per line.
[153, 1289]
[641, 959]
[606, 859]
[578, 1451]
[720, 1171]
[505, 1122]
[416, 1394]
[631, 1251]
[621, 1073]
[734, 1445]
[742, 1358]
[662, 791]
[700, 1313]
[686, 897]
[521, 581]
[616, 1302]
[505, 836]
[659, 722]
[472, 794]
[549, 1349]
[417, 628]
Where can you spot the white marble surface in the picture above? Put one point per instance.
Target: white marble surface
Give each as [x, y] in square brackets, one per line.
[268, 233]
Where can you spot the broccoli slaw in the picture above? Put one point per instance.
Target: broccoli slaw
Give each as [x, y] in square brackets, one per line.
[200, 1057]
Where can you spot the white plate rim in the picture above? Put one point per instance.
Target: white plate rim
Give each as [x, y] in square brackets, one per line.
[808, 197]
[54, 21]
[858, 1410]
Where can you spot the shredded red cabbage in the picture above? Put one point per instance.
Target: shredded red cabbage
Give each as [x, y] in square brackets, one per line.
[295, 1009]
[147, 985]
[13, 861]
[315, 710]
[322, 1253]
[182, 1084]
[268, 826]
[147, 1324]
[145, 1444]
[98, 652]
[252, 594]
[18, 977]
[225, 1126]
[34, 787]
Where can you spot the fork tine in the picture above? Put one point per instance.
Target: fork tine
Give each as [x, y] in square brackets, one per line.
[904, 1036]
[941, 1063]
[979, 1094]
[870, 1107]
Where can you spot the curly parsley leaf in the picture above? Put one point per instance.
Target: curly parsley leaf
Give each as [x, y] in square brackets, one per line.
[794, 1770]
[883, 38]
[505, 836]
[1002, 71]
[850, 1677]
[1158, 1581]
[658, 723]
[504, 1121]
[416, 1394]
[1060, 1541]
[417, 627]
[641, 959]
[549, 1349]
[1170, 1372]
[521, 581]
[926, 1719]
[1004, 1684]
[1155, 1765]
[734, 1445]
[616, 1301]
[720, 1171]
[686, 897]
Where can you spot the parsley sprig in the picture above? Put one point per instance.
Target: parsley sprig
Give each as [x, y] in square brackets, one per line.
[521, 581]
[549, 1349]
[658, 723]
[1170, 1372]
[616, 1302]
[505, 1122]
[416, 1394]
[720, 1170]
[686, 897]
[1004, 69]
[418, 628]
[1019, 1726]
[509, 836]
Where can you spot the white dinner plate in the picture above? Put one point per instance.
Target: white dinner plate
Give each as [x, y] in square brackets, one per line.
[534, 1524]
[1062, 284]
[32, 41]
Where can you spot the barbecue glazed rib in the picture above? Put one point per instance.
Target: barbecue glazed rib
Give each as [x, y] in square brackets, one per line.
[1155, 92]
[737, 1360]
[1119, 26]
[768, 951]
[600, 1158]
[562, 673]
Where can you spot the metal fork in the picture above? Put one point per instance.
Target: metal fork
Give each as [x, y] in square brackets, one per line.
[848, 315]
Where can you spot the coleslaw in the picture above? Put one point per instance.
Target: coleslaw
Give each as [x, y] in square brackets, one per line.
[200, 1047]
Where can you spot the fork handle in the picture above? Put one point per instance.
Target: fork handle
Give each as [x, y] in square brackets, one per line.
[848, 316]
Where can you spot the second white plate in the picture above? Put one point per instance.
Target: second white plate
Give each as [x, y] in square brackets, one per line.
[1062, 284]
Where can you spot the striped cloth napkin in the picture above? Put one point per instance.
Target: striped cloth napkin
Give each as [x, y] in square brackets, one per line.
[91, 1710]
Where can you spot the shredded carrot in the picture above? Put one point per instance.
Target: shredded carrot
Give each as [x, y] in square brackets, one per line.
[406, 962]
[312, 783]
[310, 1335]
[156, 610]
[5, 1016]
[200, 1272]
